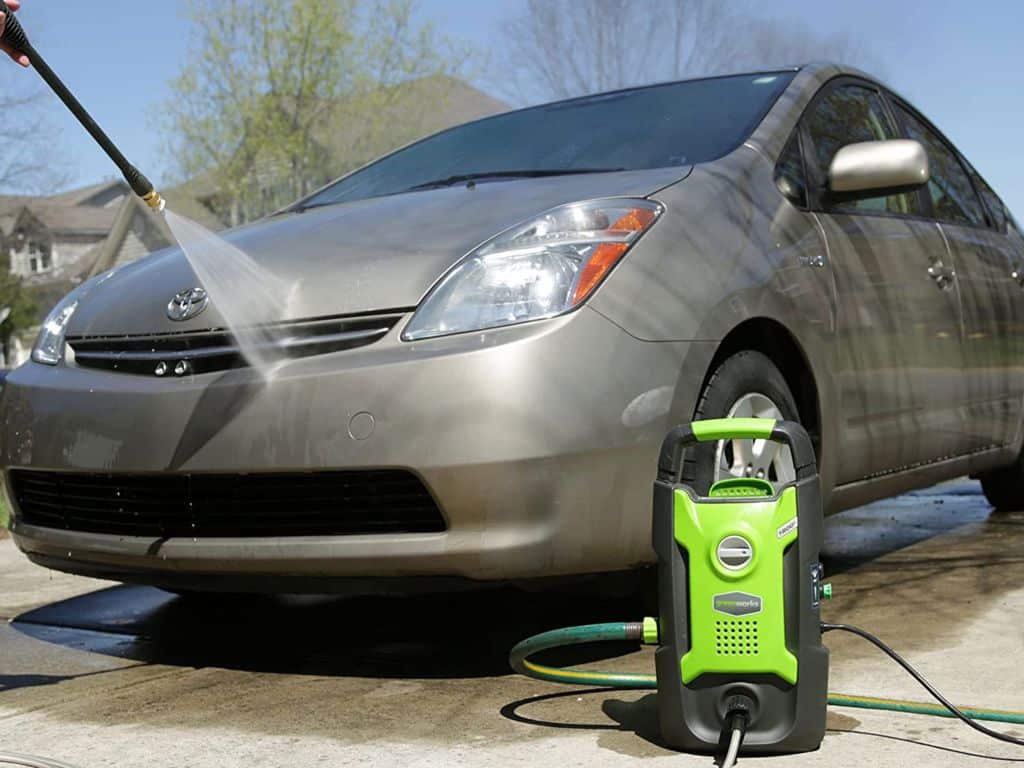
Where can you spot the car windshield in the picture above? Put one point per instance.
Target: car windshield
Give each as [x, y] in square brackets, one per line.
[658, 126]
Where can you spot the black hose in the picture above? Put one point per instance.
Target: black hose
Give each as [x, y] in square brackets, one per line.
[923, 681]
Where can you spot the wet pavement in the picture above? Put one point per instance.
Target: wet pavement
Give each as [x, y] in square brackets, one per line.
[95, 674]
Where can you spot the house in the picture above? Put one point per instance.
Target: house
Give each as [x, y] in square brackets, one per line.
[66, 238]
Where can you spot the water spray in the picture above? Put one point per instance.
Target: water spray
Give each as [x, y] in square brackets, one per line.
[15, 37]
[251, 300]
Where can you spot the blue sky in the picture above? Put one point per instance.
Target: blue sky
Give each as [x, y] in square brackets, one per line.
[960, 65]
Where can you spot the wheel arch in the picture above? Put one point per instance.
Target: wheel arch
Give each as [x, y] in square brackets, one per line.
[776, 342]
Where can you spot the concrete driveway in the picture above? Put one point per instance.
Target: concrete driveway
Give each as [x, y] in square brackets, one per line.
[102, 675]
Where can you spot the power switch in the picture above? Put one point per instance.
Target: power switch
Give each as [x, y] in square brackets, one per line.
[817, 590]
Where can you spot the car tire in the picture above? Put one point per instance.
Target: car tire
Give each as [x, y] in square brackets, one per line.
[738, 376]
[1004, 487]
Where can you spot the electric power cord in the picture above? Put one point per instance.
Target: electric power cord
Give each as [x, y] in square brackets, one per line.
[729, 761]
[735, 728]
[956, 712]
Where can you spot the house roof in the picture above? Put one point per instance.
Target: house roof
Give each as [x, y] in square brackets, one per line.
[11, 207]
[84, 195]
[63, 219]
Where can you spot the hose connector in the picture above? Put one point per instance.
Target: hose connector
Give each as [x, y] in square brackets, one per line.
[144, 188]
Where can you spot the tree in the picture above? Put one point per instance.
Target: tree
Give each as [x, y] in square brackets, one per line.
[28, 161]
[251, 110]
[563, 48]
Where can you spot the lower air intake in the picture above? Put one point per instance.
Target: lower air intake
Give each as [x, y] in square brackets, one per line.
[228, 505]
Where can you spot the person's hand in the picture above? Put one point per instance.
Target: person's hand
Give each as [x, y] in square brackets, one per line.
[21, 58]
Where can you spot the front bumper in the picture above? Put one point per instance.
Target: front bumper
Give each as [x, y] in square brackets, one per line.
[538, 441]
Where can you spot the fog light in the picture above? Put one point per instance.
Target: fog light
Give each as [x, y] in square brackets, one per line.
[161, 369]
[181, 368]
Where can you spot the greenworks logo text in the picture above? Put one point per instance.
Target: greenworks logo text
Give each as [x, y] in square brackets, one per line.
[737, 603]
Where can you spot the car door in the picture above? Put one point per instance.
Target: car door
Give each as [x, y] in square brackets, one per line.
[1010, 264]
[990, 296]
[898, 366]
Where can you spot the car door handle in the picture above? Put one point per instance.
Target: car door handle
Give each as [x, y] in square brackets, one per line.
[942, 275]
[812, 261]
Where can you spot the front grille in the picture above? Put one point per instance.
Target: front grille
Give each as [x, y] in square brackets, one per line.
[171, 354]
[222, 505]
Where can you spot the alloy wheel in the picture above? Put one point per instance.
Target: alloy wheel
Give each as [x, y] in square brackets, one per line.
[765, 459]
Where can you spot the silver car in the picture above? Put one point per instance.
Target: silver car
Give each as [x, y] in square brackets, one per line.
[493, 329]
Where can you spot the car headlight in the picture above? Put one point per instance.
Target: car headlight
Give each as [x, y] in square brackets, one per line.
[538, 269]
[49, 347]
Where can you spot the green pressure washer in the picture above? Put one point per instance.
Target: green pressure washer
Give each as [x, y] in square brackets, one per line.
[740, 662]
[740, 589]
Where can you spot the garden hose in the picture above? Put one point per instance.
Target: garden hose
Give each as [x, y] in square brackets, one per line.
[647, 633]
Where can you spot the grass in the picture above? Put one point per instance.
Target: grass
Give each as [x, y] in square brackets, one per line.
[4, 516]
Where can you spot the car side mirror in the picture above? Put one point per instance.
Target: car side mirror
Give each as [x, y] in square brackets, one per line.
[878, 168]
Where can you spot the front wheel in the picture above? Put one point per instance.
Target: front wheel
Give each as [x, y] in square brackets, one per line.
[745, 385]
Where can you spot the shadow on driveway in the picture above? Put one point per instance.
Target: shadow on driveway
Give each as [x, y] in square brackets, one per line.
[433, 636]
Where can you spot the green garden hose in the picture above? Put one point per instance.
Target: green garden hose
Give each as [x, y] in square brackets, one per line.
[646, 632]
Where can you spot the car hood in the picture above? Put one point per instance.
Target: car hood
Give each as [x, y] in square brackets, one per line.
[370, 255]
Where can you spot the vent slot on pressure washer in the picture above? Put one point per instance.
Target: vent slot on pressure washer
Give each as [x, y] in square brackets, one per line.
[736, 637]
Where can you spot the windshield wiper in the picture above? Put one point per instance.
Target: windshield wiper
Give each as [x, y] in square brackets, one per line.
[530, 174]
[535, 173]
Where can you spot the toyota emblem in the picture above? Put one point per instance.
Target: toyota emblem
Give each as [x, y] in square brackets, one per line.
[187, 304]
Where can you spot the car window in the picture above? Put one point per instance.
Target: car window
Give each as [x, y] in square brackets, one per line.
[953, 196]
[660, 126]
[789, 173]
[992, 203]
[851, 114]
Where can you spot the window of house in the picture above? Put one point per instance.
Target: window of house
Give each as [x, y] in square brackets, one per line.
[953, 196]
[850, 114]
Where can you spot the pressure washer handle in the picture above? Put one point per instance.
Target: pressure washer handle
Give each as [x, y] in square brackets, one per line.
[14, 34]
[685, 435]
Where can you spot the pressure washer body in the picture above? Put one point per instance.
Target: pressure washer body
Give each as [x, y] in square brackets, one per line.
[740, 586]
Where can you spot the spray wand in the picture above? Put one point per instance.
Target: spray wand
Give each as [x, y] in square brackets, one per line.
[14, 36]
